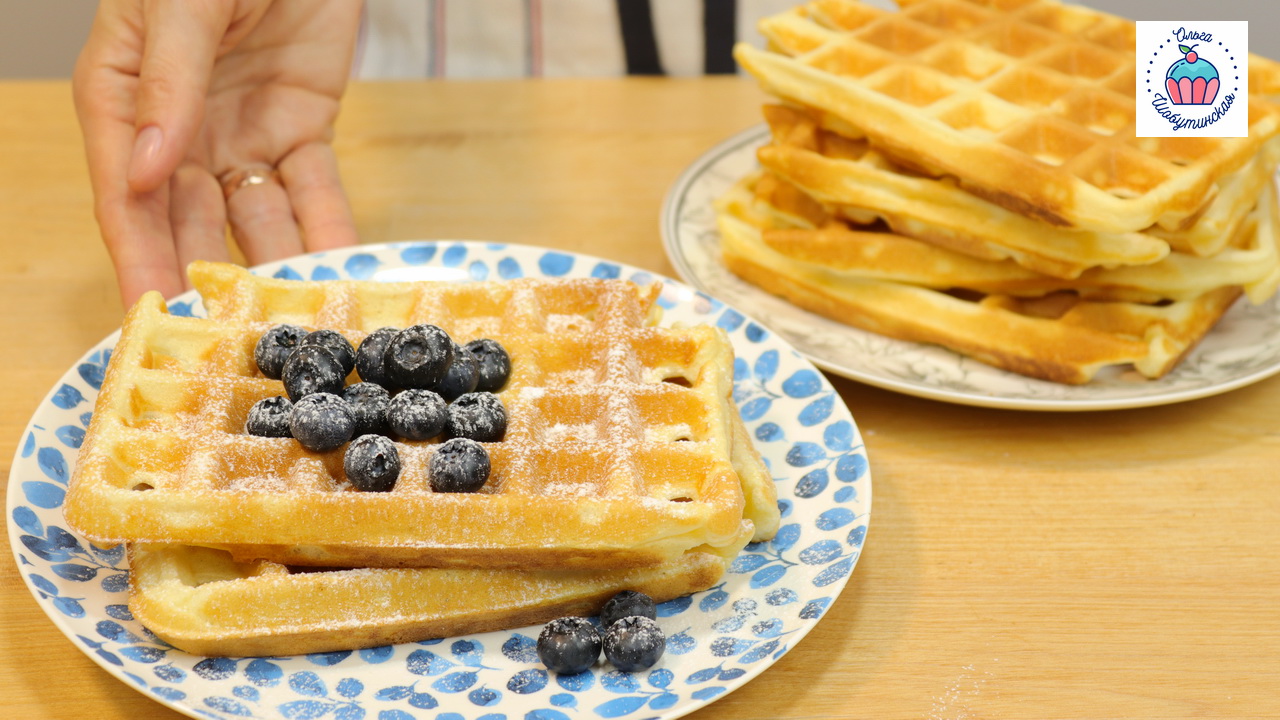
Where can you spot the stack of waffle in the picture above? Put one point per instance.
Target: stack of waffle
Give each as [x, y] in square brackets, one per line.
[625, 464]
[966, 173]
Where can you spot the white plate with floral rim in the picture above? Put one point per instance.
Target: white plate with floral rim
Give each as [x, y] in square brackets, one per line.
[1243, 349]
[717, 640]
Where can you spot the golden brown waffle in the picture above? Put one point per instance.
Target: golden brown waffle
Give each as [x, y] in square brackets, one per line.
[823, 157]
[1251, 260]
[202, 601]
[616, 455]
[999, 313]
[1028, 103]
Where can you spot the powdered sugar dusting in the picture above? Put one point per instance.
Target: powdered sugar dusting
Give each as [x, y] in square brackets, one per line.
[668, 433]
[560, 323]
[584, 421]
[563, 432]
[260, 483]
[565, 489]
[339, 307]
[956, 701]
[580, 376]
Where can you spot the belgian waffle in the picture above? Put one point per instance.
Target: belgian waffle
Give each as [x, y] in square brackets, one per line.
[1028, 103]
[1251, 260]
[826, 159]
[616, 455]
[1005, 316]
[204, 602]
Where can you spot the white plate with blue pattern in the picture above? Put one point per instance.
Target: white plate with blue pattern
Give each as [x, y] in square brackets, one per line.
[1242, 349]
[717, 640]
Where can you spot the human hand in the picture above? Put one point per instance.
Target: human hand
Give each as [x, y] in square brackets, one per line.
[175, 97]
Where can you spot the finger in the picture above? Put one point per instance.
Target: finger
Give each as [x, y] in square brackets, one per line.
[263, 224]
[310, 176]
[135, 226]
[181, 44]
[198, 217]
[139, 239]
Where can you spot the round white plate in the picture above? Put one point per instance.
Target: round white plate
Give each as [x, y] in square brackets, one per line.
[717, 640]
[1244, 348]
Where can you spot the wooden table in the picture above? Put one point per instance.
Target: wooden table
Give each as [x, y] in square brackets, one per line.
[1019, 565]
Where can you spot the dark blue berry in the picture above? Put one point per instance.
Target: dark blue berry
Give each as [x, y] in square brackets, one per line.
[461, 377]
[274, 346]
[372, 463]
[311, 369]
[494, 362]
[369, 356]
[416, 414]
[634, 643]
[569, 645]
[322, 421]
[458, 466]
[369, 403]
[269, 417]
[478, 416]
[626, 604]
[334, 342]
[418, 357]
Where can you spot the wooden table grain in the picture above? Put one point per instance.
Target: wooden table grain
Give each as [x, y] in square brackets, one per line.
[1117, 564]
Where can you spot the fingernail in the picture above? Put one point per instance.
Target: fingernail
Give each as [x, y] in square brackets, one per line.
[146, 147]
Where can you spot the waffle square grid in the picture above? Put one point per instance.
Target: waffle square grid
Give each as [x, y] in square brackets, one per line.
[617, 452]
[1029, 103]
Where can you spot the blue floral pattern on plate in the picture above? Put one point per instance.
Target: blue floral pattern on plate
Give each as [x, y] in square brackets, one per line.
[718, 639]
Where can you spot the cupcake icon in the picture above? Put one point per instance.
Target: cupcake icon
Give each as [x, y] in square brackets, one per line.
[1192, 80]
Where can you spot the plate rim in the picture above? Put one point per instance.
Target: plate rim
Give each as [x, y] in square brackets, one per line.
[669, 225]
[12, 499]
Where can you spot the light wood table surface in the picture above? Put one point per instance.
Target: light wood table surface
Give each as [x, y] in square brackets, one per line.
[1119, 564]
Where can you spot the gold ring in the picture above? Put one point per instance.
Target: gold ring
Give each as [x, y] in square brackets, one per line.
[234, 180]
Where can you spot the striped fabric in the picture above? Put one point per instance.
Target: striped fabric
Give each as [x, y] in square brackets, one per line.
[554, 38]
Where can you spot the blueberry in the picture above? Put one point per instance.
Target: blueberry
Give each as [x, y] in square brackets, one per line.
[626, 604]
[495, 363]
[322, 421]
[369, 356]
[274, 346]
[372, 463]
[461, 377]
[569, 645]
[416, 414]
[634, 643]
[418, 357]
[333, 341]
[478, 416]
[269, 417]
[458, 465]
[369, 403]
[311, 369]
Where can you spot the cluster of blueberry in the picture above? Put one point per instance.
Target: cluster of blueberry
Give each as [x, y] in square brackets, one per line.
[439, 387]
[632, 639]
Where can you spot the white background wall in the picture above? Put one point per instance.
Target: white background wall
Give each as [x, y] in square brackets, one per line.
[40, 38]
